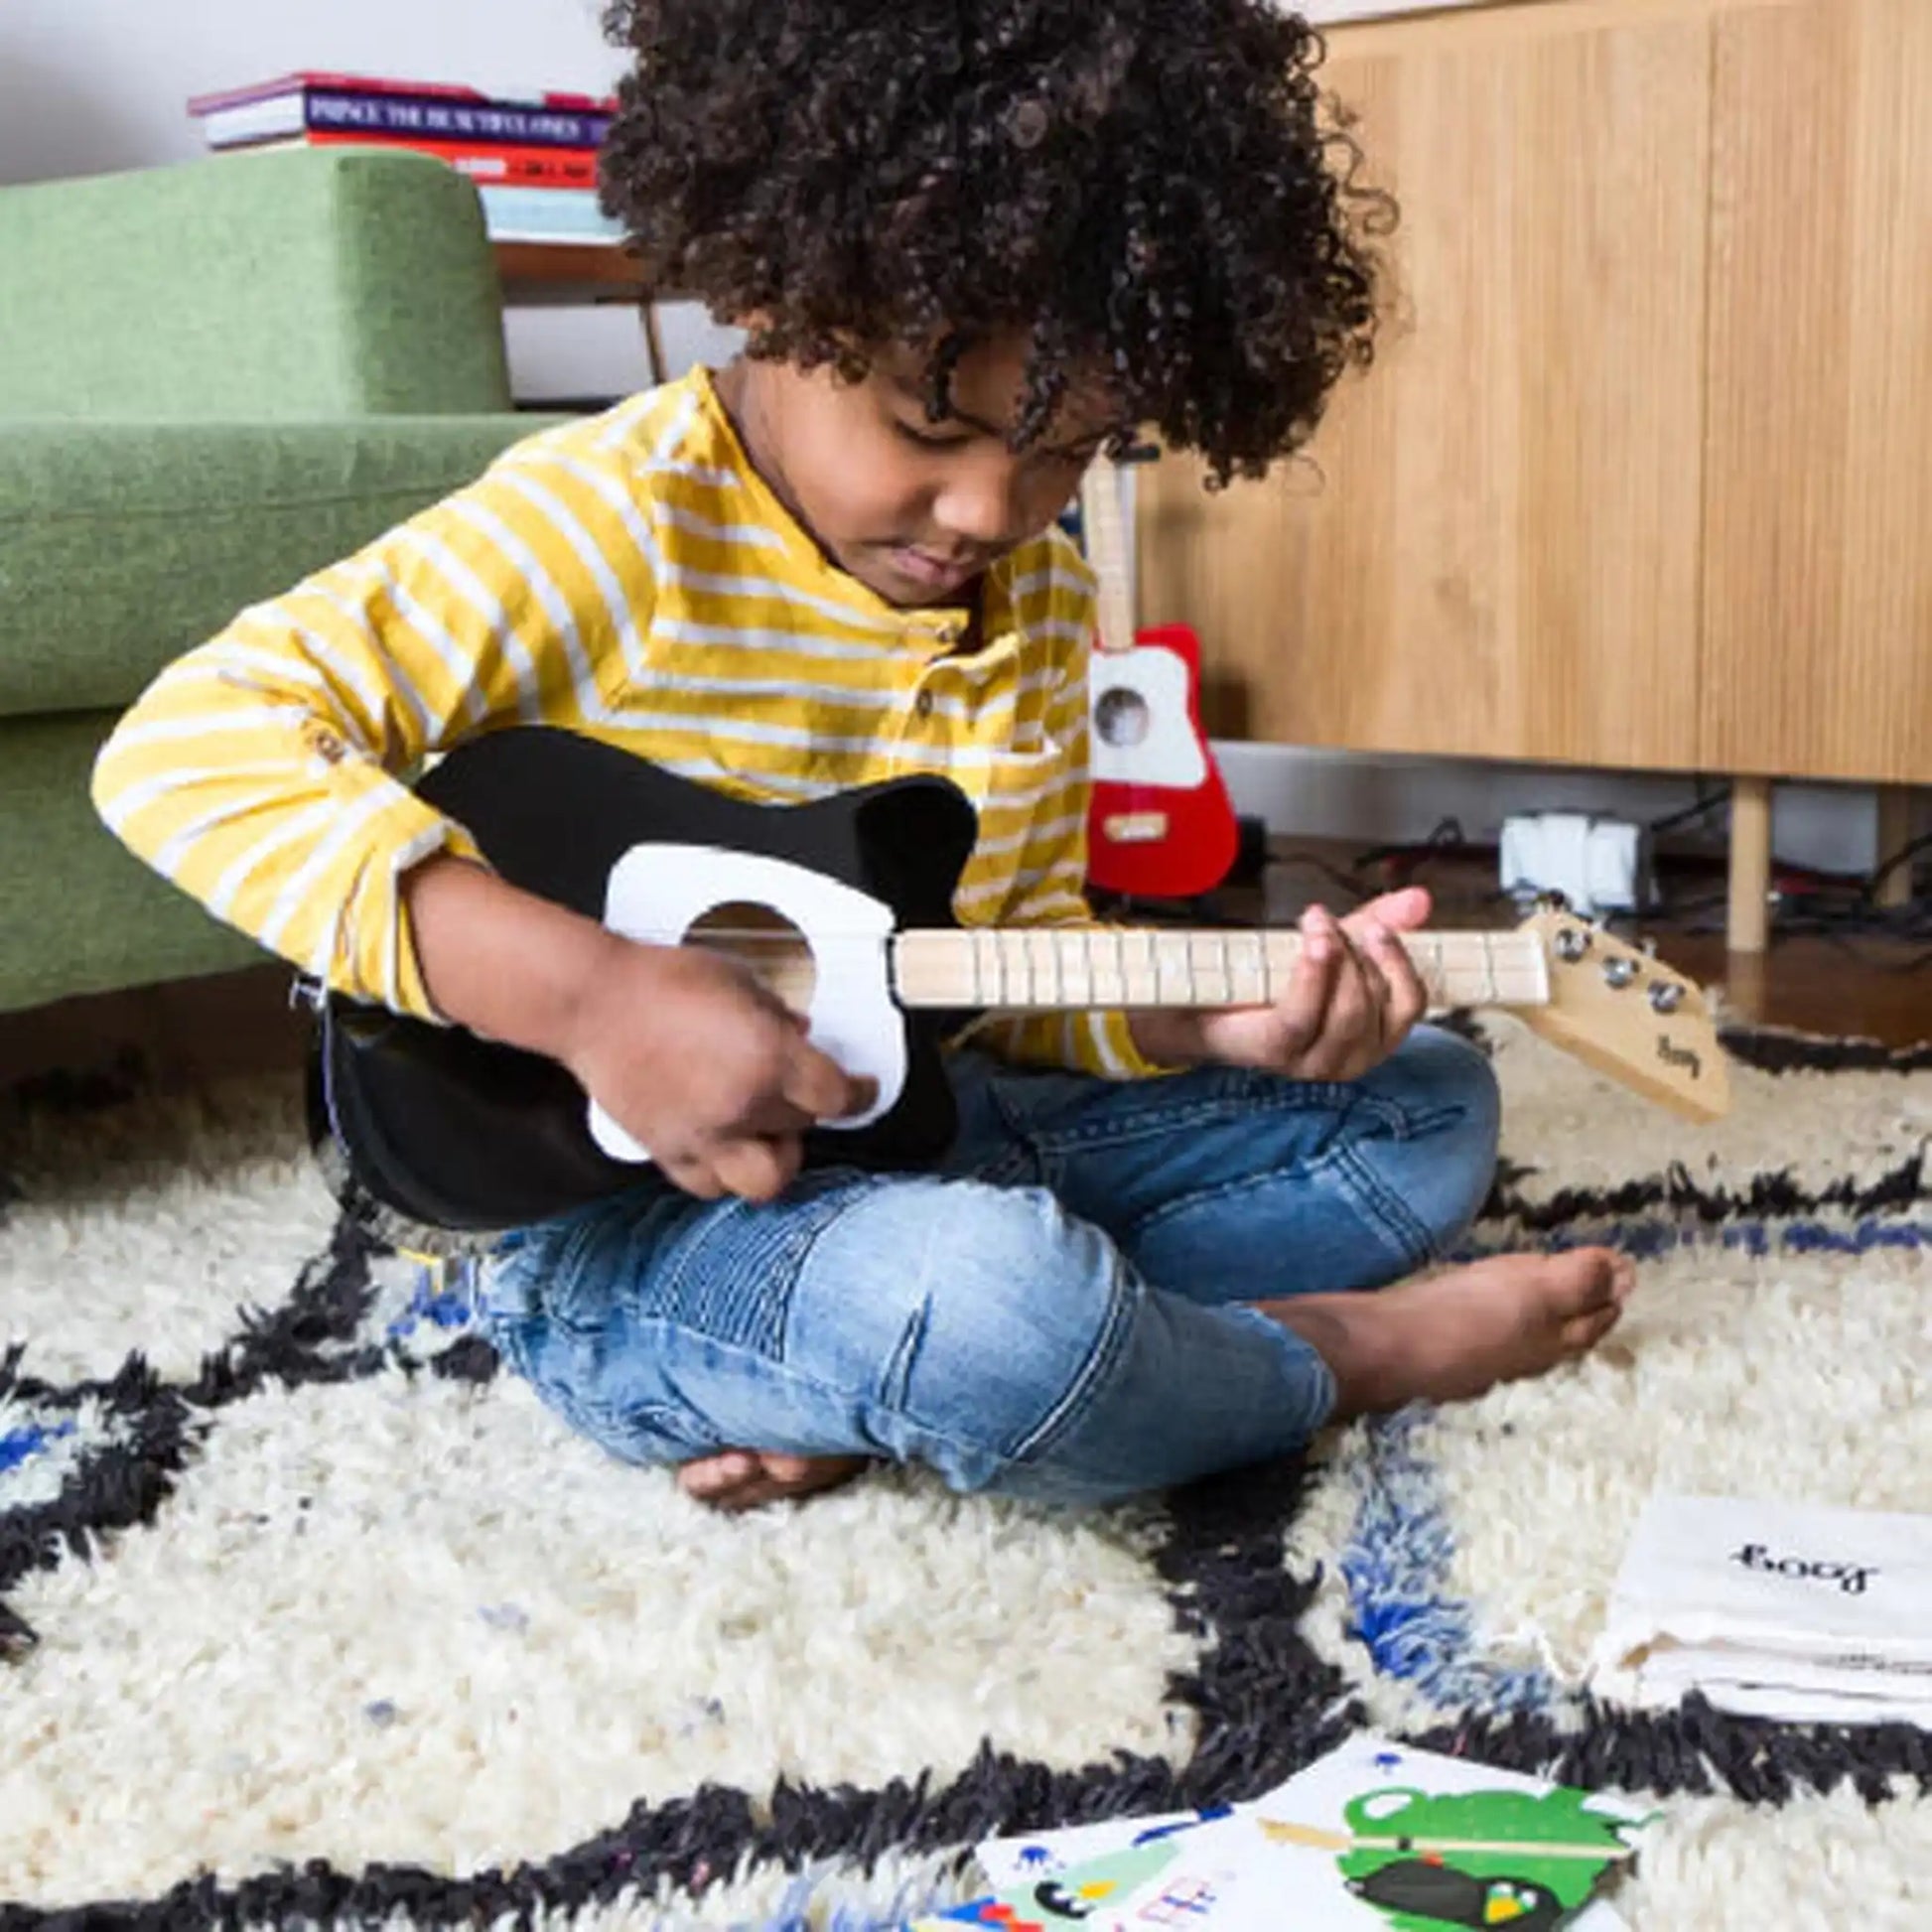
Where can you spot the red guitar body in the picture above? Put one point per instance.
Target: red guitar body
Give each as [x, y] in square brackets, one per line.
[1160, 824]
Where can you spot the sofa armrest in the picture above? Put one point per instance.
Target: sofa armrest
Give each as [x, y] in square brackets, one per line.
[300, 283]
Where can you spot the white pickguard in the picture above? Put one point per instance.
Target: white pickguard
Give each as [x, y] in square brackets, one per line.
[657, 893]
[1170, 755]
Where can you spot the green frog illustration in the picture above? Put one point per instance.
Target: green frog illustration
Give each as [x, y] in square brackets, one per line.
[1422, 1880]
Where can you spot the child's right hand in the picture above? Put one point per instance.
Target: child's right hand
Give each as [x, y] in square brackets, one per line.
[705, 1067]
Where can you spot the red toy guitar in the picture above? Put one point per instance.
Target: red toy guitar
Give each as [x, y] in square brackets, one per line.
[1160, 824]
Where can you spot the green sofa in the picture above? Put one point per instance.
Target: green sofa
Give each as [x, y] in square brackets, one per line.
[214, 379]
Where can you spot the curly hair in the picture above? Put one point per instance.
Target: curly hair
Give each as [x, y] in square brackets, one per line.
[1150, 189]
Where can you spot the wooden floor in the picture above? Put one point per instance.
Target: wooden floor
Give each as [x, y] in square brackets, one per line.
[201, 1030]
[1869, 989]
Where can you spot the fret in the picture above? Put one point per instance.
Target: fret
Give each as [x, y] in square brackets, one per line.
[1201, 961]
[1432, 968]
[1046, 983]
[1081, 977]
[1074, 964]
[1176, 984]
[1143, 943]
[989, 992]
[1170, 971]
[1261, 972]
[1428, 962]
[1115, 966]
[1115, 955]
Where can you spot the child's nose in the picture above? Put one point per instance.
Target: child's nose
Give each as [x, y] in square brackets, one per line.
[981, 505]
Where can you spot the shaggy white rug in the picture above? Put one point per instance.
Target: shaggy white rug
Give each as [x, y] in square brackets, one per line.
[307, 1616]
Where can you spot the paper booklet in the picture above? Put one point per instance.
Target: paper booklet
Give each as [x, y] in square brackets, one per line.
[1772, 1609]
[1372, 1837]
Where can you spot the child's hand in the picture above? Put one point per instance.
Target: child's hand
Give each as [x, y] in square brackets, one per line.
[1352, 1000]
[705, 1067]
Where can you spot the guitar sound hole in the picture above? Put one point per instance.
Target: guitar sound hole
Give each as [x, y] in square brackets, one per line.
[765, 943]
[1122, 718]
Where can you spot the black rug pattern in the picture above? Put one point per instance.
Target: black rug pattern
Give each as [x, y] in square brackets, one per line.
[110, 1455]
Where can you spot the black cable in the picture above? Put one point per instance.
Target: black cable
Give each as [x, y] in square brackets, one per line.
[1446, 841]
[1199, 911]
[1331, 872]
[1704, 805]
[1902, 857]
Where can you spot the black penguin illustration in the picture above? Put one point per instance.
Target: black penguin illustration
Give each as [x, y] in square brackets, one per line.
[1452, 1898]
[1056, 1901]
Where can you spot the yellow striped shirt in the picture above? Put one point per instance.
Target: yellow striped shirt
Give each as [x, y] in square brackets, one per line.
[631, 577]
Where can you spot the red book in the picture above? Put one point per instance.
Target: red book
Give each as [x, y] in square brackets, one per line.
[485, 163]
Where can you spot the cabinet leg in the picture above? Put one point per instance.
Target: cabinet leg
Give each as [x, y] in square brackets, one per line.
[1750, 865]
[1895, 818]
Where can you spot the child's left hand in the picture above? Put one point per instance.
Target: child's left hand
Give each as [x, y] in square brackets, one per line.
[1352, 1000]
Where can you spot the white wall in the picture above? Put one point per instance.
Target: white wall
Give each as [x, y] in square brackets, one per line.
[91, 86]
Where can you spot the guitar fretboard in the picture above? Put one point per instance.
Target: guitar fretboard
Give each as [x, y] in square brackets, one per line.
[1054, 968]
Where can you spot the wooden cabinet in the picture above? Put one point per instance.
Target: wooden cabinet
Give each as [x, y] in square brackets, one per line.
[1455, 568]
[1817, 635]
[1642, 475]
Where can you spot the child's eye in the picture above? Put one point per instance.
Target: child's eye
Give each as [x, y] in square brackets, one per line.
[927, 438]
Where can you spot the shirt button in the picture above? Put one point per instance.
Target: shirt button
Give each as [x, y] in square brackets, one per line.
[922, 705]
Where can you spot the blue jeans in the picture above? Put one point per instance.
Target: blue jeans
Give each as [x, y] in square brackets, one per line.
[1057, 1313]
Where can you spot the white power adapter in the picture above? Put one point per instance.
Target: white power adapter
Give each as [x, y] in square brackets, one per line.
[1598, 865]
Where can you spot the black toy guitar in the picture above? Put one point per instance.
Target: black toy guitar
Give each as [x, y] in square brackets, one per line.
[844, 907]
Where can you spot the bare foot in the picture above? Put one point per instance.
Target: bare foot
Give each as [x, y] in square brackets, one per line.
[740, 1479]
[1453, 1335]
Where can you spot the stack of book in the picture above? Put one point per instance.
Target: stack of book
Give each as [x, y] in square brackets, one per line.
[534, 160]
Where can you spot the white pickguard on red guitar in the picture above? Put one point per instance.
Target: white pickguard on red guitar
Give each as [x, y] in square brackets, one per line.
[1160, 824]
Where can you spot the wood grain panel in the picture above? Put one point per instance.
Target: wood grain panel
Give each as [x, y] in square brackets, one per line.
[1818, 586]
[1498, 556]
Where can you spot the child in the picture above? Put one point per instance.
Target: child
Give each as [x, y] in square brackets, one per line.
[973, 245]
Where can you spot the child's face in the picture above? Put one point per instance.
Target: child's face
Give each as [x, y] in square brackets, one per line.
[914, 509]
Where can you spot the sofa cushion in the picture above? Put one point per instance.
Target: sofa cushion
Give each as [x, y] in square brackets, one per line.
[79, 913]
[124, 544]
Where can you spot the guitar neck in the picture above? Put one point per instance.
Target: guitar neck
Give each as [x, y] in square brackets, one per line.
[1110, 555]
[1057, 968]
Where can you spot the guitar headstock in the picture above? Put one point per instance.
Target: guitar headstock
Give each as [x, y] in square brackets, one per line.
[1629, 1016]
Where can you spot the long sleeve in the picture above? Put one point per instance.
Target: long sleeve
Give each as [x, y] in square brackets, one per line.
[265, 773]
[1049, 888]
